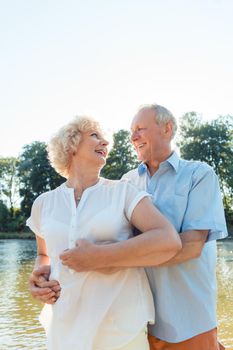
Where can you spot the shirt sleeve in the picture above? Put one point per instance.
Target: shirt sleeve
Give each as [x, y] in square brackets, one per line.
[205, 208]
[133, 197]
[34, 221]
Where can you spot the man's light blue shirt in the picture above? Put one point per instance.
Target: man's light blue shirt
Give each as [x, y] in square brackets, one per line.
[188, 194]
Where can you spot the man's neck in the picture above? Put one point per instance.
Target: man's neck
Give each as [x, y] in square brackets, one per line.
[153, 166]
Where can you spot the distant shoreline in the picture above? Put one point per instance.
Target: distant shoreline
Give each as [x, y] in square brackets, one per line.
[17, 235]
[31, 235]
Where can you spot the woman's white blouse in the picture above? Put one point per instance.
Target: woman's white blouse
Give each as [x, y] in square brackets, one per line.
[94, 310]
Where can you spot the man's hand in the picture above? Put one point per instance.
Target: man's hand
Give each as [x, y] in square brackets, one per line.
[40, 286]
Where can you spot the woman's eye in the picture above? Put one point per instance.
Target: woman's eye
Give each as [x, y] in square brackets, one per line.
[94, 134]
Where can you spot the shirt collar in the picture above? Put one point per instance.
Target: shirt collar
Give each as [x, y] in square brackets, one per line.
[67, 189]
[173, 161]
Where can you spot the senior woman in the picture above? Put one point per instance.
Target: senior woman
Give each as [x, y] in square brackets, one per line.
[95, 310]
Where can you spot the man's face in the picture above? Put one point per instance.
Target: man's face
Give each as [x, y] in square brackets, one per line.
[149, 139]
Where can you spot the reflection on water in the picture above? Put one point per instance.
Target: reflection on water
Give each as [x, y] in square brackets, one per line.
[225, 292]
[19, 326]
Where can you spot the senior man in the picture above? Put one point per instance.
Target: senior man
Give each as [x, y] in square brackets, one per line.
[188, 194]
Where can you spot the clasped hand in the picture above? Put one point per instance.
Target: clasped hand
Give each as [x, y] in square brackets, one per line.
[86, 256]
[41, 288]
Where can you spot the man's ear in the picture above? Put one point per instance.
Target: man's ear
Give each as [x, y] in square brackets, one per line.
[168, 129]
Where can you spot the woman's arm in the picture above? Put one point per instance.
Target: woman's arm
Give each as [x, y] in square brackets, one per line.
[42, 257]
[158, 243]
[39, 285]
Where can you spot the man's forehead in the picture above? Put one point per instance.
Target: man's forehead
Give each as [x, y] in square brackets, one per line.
[143, 117]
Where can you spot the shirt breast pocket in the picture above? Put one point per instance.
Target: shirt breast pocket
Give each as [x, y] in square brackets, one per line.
[180, 203]
[182, 190]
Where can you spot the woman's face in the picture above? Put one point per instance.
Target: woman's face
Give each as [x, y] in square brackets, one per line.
[92, 149]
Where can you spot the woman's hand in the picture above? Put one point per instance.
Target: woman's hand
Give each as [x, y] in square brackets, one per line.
[86, 256]
[81, 257]
[41, 288]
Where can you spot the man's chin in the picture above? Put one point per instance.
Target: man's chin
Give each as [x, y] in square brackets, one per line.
[140, 157]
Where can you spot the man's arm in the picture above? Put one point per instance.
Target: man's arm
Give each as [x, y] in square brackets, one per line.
[192, 245]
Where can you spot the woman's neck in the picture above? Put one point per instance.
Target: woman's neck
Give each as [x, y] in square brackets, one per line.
[80, 180]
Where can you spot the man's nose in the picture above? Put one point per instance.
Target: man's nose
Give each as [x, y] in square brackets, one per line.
[134, 136]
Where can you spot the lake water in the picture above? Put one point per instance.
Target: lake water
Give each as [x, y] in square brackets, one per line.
[19, 326]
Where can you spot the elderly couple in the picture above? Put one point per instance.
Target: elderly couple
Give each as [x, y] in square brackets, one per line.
[89, 269]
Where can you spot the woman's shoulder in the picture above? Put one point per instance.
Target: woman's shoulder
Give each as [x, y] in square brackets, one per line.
[46, 196]
[121, 183]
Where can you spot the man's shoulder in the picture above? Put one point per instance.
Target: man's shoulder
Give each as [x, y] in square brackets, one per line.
[195, 165]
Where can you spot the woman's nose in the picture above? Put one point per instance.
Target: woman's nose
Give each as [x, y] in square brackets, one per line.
[104, 142]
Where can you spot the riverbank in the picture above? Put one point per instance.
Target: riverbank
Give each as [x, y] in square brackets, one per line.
[31, 235]
[17, 235]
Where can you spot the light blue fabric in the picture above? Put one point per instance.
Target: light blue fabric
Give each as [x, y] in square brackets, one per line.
[183, 191]
[188, 194]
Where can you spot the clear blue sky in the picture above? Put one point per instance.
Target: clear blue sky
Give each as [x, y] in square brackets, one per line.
[105, 58]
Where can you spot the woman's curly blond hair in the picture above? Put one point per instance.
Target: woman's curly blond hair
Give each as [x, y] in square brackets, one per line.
[64, 143]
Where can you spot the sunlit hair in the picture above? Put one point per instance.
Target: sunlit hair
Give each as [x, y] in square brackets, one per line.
[64, 143]
[162, 115]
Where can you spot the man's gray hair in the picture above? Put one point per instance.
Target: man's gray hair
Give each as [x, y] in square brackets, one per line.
[162, 115]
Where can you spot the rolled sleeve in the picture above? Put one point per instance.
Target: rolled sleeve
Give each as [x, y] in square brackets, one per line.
[205, 208]
[34, 221]
[133, 197]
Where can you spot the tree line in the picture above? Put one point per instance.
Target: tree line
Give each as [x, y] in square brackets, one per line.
[22, 179]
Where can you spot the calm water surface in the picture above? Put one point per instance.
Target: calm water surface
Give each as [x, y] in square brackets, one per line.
[19, 326]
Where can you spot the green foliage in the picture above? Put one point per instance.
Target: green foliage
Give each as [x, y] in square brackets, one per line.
[4, 216]
[36, 174]
[9, 182]
[121, 158]
[211, 142]
[31, 174]
[17, 222]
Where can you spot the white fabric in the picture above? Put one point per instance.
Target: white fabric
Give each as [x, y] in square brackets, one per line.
[140, 342]
[94, 310]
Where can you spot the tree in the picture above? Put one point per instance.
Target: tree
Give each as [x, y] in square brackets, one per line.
[212, 142]
[121, 158]
[4, 216]
[9, 182]
[36, 174]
